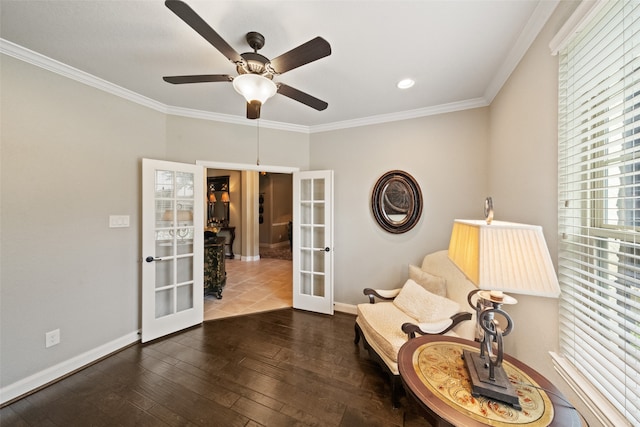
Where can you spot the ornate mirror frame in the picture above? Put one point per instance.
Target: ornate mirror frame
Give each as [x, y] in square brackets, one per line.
[396, 202]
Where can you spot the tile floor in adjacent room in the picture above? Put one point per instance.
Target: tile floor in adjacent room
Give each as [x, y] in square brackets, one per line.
[252, 286]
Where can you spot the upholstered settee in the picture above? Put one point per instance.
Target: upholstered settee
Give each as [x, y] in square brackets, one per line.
[432, 301]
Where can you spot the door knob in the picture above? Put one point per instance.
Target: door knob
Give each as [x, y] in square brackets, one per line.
[151, 259]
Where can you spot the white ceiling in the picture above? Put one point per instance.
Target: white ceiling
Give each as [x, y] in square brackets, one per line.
[459, 52]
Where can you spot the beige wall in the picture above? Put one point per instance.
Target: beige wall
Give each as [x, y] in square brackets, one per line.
[190, 139]
[59, 258]
[523, 153]
[70, 157]
[445, 153]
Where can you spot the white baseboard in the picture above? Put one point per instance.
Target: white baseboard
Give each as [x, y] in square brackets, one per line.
[39, 379]
[345, 308]
[249, 258]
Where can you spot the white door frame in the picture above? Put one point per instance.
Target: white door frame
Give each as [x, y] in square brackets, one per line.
[247, 167]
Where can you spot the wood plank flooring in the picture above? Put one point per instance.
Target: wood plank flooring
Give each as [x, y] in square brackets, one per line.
[279, 368]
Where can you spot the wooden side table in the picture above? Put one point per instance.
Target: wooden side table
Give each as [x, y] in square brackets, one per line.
[433, 372]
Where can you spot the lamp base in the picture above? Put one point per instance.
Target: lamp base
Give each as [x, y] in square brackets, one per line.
[499, 389]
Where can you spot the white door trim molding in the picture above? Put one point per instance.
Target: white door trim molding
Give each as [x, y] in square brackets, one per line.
[247, 167]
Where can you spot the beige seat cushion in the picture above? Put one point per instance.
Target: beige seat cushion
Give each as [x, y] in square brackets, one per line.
[381, 324]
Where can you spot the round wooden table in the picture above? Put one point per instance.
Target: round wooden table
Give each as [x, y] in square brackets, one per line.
[434, 373]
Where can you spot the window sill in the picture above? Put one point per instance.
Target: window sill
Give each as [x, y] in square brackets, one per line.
[599, 406]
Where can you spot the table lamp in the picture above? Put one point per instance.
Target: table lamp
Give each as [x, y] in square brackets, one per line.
[499, 257]
[225, 199]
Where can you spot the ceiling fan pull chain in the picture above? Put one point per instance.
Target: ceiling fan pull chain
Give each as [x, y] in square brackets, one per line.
[258, 138]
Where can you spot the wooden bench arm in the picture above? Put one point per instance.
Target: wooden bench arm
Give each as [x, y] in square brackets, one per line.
[410, 328]
[383, 294]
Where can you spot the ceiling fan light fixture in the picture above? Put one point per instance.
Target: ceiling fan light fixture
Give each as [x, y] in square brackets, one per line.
[254, 87]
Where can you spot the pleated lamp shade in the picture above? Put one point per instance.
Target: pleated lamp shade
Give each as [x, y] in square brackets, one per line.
[504, 256]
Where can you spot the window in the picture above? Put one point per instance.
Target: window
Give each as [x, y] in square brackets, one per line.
[599, 203]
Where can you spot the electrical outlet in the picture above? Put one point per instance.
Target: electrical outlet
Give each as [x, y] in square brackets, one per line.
[52, 338]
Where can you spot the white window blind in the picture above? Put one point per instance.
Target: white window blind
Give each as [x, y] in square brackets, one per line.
[599, 204]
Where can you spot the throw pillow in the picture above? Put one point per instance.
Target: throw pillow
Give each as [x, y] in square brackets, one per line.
[423, 305]
[434, 284]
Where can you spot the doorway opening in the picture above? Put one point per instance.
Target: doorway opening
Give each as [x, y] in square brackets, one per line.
[275, 216]
[258, 210]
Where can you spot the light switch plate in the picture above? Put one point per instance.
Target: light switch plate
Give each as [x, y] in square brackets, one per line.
[118, 221]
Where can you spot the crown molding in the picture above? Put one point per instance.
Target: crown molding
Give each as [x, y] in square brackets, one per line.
[538, 20]
[227, 118]
[44, 62]
[402, 115]
[580, 17]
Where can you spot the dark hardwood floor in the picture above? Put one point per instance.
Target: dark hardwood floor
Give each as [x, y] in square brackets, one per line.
[279, 368]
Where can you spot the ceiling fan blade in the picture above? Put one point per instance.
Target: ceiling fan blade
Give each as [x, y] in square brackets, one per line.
[300, 96]
[192, 19]
[308, 52]
[202, 78]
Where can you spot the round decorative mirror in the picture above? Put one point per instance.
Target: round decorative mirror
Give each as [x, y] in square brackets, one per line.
[396, 202]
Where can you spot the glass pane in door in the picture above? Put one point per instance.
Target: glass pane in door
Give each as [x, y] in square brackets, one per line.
[164, 303]
[164, 184]
[318, 189]
[185, 270]
[185, 297]
[305, 190]
[318, 261]
[305, 283]
[318, 285]
[318, 213]
[174, 234]
[164, 273]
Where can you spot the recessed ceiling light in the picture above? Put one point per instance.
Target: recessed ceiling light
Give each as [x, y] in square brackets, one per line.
[405, 83]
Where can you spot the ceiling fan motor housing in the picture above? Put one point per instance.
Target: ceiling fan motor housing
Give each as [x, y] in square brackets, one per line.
[254, 63]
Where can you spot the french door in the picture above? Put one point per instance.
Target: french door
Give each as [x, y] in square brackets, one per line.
[172, 247]
[313, 241]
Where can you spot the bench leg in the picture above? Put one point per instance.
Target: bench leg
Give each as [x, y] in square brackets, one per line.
[395, 380]
[396, 391]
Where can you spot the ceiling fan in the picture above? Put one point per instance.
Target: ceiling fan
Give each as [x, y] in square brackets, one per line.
[255, 71]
